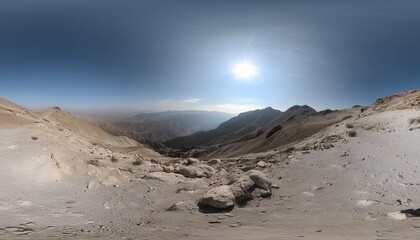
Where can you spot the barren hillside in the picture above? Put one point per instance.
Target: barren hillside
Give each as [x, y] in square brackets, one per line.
[162, 126]
[273, 129]
[353, 179]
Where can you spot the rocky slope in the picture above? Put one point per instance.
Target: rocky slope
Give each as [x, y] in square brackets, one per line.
[258, 131]
[229, 131]
[354, 179]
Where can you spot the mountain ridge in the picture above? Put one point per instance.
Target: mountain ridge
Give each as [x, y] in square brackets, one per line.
[251, 132]
[234, 128]
[162, 126]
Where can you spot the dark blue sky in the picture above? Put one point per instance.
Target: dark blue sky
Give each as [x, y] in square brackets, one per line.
[159, 55]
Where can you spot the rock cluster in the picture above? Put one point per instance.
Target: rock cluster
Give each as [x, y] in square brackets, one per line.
[227, 196]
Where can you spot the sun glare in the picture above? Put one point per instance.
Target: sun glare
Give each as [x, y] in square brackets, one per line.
[244, 70]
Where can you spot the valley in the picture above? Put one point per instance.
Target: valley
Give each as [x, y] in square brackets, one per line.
[65, 177]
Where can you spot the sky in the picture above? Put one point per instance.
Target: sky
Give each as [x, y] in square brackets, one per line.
[153, 55]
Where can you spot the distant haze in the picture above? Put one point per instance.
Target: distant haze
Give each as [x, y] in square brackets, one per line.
[153, 55]
[163, 126]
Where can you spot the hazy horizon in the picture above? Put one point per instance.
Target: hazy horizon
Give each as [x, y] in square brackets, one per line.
[151, 56]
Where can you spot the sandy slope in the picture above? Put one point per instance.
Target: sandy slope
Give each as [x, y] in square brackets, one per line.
[332, 186]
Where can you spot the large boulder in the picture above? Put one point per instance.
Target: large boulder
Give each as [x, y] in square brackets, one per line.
[219, 197]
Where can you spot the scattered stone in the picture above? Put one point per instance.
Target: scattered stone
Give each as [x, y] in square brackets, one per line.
[214, 221]
[34, 138]
[397, 215]
[190, 172]
[113, 159]
[235, 225]
[181, 206]
[308, 194]
[351, 133]
[168, 169]
[148, 166]
[265, 194]
[165, 177]
[306, 152]
[275, 186]
[191, 161]
[317, 188]
[196, 171]
[214, 161]
[208, 171]
[261, 164]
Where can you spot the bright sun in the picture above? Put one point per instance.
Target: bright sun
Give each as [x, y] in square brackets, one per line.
[244, 70]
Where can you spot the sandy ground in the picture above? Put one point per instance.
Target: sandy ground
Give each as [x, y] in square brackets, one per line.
[51, 189]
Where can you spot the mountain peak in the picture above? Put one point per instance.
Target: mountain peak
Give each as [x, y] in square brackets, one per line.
[301, 107]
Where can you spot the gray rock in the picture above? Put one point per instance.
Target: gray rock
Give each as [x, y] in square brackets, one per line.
[196, 171]
[265, 194]
[165, 177]
[260, 179]
[261, 164]
[182, 206]
[226, 196]
[207, 170]
[219, 197]
[214, 161]
[168, 169]
[244, 185]
[190, 172]
[193, 161]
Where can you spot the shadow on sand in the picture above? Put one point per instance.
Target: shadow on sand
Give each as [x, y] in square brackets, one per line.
[206, 209]
[412, 212]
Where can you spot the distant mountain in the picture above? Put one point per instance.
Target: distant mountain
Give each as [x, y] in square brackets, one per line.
[229, 131]
[256, 131]
[162, 126]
